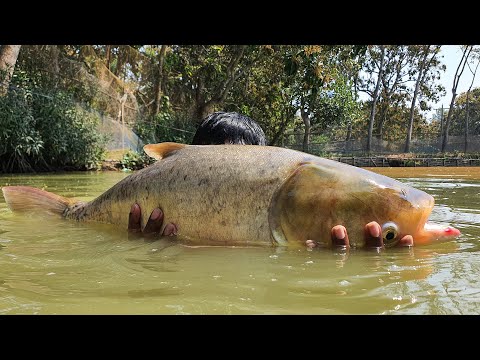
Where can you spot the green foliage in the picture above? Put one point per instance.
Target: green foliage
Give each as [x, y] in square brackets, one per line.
[335, 105]
[20, 142]
[41, 132]
[69, 132]
[43, 126]
[165, 126]
[318, 88]
[460, 113]
[263, 95]
[132, 160]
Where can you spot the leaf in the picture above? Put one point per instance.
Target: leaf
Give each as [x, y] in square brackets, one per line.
[291, 65]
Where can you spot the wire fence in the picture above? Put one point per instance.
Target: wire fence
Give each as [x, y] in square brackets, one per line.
[381, 147]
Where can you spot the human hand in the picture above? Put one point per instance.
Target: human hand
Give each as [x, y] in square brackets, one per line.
[154, 223]
[373, 237]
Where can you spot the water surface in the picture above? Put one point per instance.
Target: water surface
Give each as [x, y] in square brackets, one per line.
[54, 266]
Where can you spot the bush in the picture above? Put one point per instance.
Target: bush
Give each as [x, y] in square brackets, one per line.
[70, 135]
[132, 160]
[44, 130]
[20, 143]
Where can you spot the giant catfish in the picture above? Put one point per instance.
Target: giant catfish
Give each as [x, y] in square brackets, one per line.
[252, 195]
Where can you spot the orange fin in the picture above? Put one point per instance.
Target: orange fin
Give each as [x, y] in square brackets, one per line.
[162, 150]
[26, 198]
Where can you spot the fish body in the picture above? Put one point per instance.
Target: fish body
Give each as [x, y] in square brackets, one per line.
[252, 195]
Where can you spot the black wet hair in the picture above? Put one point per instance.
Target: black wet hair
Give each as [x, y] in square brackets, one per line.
[229, 128]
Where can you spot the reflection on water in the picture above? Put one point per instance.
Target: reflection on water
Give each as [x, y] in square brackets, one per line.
[62, 267]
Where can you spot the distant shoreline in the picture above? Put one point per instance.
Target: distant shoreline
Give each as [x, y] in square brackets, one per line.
[407, 161]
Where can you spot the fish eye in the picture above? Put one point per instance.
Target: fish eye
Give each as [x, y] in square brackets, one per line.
[389, 234]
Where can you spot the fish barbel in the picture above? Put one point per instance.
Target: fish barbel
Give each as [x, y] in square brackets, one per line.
[252, 195]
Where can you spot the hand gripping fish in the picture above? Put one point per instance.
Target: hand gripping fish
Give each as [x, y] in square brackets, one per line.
[248, 195]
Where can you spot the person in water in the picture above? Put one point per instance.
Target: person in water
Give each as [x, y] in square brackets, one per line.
[229, 128]
[234, 128]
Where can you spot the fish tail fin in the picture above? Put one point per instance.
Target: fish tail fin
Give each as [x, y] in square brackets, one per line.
[27, 199]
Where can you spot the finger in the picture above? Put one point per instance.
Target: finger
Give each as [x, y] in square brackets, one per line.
[170, 230]
[134, 219]
[373, 235]
[310, 244]
[154, 223]
[407, 240]
[339, 236]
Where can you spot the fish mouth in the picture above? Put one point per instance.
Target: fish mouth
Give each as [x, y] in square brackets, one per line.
[427, 232]
[433, 233]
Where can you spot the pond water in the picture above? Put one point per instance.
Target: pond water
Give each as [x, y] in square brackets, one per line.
[54, 266]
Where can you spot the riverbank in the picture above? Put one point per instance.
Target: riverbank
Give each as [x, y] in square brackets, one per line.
[125, 160]
[113, 160]
[407, 160]
[121, 160]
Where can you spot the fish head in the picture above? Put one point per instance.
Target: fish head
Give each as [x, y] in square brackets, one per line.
[403, 210]
[318, 196]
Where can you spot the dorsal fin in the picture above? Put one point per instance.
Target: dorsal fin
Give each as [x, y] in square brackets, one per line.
[161, 150]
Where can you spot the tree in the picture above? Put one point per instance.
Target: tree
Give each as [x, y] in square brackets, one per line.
[457, 128]
[425, 56]
[208, 73]
[393, 90]
[316, 87]
[263, 95]
[349, 60]
[474, 72]
[458, 73]
[158, 87]
[8, 59]
[378, 64]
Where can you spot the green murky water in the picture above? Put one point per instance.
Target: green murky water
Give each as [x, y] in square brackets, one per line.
[52, 266]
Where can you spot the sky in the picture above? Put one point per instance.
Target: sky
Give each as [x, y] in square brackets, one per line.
[451, 57]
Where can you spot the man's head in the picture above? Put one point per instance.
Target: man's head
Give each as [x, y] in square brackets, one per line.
[229, 128]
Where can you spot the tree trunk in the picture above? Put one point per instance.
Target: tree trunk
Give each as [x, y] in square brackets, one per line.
[108, 56]
[414, 100]
[158, 86]
[381, 121]
[466, 123]
[375, 99]
[348, 137]
[55, 56]
[446, 126]
[468, 105]
[278, 134]
[8, 59]
[121, 60]
[441, 123]
[410, 119]
[349, 132]
[306, 136]
[204, 108]
[456, 79]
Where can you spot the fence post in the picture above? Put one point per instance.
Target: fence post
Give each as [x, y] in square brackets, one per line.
[122, 101]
